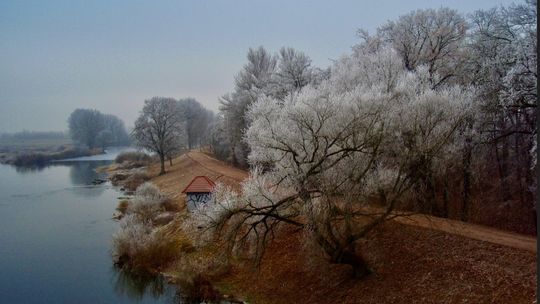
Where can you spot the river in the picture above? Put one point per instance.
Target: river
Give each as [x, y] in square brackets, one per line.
[55, 238]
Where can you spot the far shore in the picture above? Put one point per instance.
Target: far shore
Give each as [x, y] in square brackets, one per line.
[35, 155]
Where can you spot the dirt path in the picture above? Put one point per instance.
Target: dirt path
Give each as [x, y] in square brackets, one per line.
[473, 231]
[217, 166]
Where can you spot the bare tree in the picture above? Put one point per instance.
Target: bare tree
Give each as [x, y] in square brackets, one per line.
[197, 120]
[93, 128]
[160, 128]
[85, 126]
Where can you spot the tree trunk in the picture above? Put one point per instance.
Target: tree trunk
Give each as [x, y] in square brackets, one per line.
[170, 161]
[445, 199]
[162, 161]
[466, 180]
[358, 264]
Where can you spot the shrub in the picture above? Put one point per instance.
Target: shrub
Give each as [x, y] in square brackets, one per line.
[150, 193]
[133, 156]
[200, 290]
[147, 202]
[171, 206]
[133, 181]
[139, 247]
[122, 206]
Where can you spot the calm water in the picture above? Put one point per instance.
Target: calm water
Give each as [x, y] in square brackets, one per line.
[55, 238]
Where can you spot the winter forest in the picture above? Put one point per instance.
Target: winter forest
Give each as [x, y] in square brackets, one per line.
[435, 113]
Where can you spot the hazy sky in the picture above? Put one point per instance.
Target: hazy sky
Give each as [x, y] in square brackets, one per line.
[56, 56]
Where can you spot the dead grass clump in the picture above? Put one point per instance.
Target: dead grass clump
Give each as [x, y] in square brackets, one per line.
[140, 244]
[138, 247]
[209, 262]
[200, 290]
[134, 156]
[171, 206]
[122, 206]
[133, 181]
[147, 203]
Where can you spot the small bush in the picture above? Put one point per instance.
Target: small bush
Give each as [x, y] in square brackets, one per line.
[147, 202]
[139, 247]
[171, 206]
[139, 157]
[150, 193]
[123, 206]
[133, 181]
[200, 290]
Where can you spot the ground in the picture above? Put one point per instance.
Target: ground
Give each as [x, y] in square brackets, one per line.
[418, 259]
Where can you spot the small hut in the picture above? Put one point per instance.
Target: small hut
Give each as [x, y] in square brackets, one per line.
[199, 191]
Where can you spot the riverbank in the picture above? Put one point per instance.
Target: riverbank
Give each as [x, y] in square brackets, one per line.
[410, 263]
[40, 152]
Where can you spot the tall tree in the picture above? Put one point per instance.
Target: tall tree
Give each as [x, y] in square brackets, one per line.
[85, 125]
[264, 75]
[197, 119]
[336, 160]
[428, 37]
[160, 128]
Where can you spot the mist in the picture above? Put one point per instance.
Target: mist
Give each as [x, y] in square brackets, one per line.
[61, 55]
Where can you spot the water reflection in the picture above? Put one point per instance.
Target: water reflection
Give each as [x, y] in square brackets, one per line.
[84, 172]
[137, 286]
[30, 169]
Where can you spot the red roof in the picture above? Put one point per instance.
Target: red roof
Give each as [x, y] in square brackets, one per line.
[200, 184]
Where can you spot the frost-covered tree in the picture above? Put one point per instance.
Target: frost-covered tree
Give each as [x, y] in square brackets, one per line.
[160, 128]
[293, 72]
[502, 63]
[217, 138]
[336, 160]
[264, 75]
[252, 82]
[197, 120]
[428, 37]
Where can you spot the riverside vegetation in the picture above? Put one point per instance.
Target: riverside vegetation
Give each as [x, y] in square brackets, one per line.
[287, 273]
[433, 114]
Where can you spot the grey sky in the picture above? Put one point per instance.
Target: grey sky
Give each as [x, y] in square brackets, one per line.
[56, 56]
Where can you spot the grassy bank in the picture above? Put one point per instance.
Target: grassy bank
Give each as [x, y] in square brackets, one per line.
[39, 151]
[43, 158]
[410, 264]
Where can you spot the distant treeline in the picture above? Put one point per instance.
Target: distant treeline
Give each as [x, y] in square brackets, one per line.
[33, 135]
[92, 129]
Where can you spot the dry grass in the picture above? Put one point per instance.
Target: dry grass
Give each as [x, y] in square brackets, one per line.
[133, 156]
[411, 265]
[133, 181]
[141, 250]
[122, 206]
